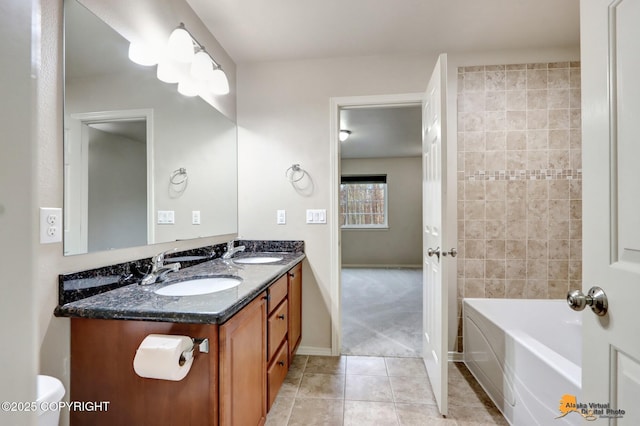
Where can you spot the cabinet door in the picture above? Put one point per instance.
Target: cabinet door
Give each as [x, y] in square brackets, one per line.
[102, 353]
[295, 309]
[243, 366]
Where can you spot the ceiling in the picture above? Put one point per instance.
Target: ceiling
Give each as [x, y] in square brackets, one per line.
[258, 30]
[135, 130]
[379, 132]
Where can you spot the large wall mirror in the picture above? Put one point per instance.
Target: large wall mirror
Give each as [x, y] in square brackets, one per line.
[143, 164]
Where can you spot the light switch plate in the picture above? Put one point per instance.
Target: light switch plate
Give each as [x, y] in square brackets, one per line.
[281, 217]
[316, 216]
[50, 225]
[166, 217]
[195, 217]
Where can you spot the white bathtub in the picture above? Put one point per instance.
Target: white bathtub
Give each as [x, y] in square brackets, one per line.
[526, 354]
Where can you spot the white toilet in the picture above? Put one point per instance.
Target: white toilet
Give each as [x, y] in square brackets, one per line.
[50, 392]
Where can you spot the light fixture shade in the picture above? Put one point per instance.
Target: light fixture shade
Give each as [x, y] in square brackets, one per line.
[344, 135]
[202, 67]
[180, 46]
[142, 55]
[167, 72]
[219, 84]
[187, 87]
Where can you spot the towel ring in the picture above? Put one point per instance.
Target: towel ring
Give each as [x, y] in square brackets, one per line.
[295, 173]
[179, 176]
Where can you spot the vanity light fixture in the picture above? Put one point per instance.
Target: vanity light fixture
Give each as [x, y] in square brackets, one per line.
[167, 72]
[185, 62]
[186, 87]
[180, 45]
[139, 54]
[218, 83]
[344, 135]
[203, 70]
[201, 65]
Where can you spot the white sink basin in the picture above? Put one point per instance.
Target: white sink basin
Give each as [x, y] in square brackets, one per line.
[199, 286]
[260, 259]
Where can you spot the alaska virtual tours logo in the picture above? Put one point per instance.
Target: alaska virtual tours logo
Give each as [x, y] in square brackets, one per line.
[590, 411]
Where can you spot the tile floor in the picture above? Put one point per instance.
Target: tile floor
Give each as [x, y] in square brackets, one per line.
[363, 390]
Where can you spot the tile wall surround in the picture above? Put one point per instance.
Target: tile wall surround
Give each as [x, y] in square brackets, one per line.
[519, 181]
[79, 285]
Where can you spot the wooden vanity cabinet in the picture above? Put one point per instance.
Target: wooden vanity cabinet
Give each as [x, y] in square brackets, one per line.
[243, 368]
[234, 384]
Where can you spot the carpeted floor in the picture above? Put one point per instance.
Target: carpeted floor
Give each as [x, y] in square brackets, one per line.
[382, 312]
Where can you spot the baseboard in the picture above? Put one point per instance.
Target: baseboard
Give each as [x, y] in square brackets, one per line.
[379, 266]
[456, 356]
[313, 350]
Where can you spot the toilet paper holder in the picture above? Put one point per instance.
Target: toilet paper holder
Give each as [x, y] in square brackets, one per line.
[203, 347]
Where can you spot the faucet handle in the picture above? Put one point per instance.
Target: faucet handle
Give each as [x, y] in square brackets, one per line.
[158, 259]
[230, 247]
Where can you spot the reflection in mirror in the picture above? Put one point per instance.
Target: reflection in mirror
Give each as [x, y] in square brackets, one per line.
[117, 184]
[142, 163]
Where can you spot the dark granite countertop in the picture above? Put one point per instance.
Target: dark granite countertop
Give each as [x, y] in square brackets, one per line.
[136, 302]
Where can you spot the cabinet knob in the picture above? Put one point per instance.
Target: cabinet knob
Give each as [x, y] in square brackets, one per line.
[281, 316]
[292, 274]
[281, 363]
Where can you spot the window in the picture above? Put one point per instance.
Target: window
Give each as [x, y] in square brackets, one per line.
[363, 201]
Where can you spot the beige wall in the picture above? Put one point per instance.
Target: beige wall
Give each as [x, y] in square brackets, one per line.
[400, 244]
[17, 212]
[283, 118]
[52, 334]
[519, 180]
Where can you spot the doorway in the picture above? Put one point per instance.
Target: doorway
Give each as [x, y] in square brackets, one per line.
[378, 200]
[108, 164]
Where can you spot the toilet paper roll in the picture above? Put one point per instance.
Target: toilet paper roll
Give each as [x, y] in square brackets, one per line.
[158, 357]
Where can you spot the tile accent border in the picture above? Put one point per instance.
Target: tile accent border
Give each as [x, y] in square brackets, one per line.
[542, 174]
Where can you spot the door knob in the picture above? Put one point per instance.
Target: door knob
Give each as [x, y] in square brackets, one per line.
[596, 298]
[431, 252]
[453, 252]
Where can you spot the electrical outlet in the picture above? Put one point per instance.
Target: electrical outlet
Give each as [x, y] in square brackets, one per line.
[50, 225]
[195, 217]
[281, 217]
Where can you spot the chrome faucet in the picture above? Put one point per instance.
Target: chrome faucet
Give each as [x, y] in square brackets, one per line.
[159, 270]
[231, 250]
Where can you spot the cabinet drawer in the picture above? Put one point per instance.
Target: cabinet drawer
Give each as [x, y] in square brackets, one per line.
[277, 292]
[277, 328]
[276, 373]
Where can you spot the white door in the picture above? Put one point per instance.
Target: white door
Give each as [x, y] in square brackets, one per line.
[435, 270]
[610, 34]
